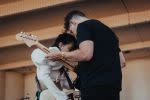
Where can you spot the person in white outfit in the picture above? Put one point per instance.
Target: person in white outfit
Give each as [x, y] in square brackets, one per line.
[48, 70]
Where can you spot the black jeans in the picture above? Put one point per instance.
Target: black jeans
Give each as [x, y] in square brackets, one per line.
[100, 93]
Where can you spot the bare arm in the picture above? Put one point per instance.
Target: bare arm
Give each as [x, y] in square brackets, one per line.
[84, 53]
[122, 59]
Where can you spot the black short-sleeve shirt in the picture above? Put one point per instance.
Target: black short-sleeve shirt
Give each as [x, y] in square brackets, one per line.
[104, 68]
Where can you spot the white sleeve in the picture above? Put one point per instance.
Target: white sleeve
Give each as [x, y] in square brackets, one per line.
[38, 57]
[53, 49]
[55, 64]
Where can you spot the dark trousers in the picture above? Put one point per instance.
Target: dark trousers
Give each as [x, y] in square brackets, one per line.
[100, 93]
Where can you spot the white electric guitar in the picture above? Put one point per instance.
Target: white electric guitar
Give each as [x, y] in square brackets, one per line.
[31, 40]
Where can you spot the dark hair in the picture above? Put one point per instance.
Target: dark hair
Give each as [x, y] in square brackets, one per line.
[69, 16]
[65, 38]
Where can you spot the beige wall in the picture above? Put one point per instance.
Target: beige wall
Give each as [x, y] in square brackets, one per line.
[136, 80]
[14, 86]
[2, 85]
[30, 86]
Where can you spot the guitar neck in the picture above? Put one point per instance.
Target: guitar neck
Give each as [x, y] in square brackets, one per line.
[42, 47]
[46, 50]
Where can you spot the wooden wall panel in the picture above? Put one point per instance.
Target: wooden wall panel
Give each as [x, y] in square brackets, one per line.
[2, 85]
[14, 86]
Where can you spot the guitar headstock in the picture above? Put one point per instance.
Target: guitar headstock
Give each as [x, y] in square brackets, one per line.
[29, 39]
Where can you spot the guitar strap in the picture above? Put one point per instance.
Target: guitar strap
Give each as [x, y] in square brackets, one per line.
[62, 70]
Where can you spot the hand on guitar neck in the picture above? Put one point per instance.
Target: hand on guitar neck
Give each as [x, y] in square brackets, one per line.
[31, 40]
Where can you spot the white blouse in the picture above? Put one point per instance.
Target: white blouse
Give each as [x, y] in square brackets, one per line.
[45, 67]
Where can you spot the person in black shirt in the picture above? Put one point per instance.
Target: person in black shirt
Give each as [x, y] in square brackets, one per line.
[99, 67]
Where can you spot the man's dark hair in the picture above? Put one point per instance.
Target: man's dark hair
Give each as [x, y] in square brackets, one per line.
[69, 16]
[65, 38]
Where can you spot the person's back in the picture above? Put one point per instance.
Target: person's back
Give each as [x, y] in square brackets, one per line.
[104, 68]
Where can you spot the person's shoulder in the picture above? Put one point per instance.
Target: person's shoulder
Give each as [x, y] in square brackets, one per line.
[90, 22]
[95, 21]
[37, 56]
[54, 48]
[36, 53]
[98, 23]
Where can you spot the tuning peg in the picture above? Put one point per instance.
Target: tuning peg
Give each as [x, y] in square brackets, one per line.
[25, 33]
